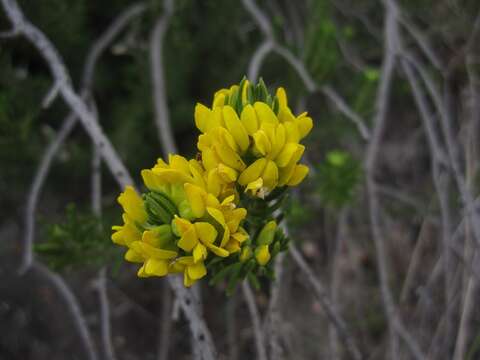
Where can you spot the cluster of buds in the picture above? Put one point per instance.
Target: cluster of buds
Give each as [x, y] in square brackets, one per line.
[215, 215]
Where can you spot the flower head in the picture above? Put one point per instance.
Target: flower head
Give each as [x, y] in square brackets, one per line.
[180, 221]
[252, 138]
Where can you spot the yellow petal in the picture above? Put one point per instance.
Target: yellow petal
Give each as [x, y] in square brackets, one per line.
[218, 216]
[202, 114]
[236, 216]
[278, 142]
[249, 119]
[179, 163]
[214, 120]
[229, 157]
[188, 240]
[270, 175]
[254, 186]
[132, 204]
[246, 84]
[241, 235]
[148, 251]
[151, 180]
[214, 182]
[246, 253]
[252, 172]
[298, 175]
[262, 144]
[284, 157]
[156, 267]
[218, 101]
[292, 132]
[133, 256]
[227, 173]
[197, 271]
[196, 196]
[264, 113]
[262, 254]
[172, 176]
[210, 159]
[305, 125]
[206, 232]
[232, 246]
[286, 173]
[199, 253]
[141, 272]
[235, 127]
[217, 250]
[282, 98]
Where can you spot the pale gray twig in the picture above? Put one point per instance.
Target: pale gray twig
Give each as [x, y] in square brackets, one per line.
[395, 324]
[105, 328]
[162, 117]
[330, 311]
[73, 308]
[68, 124]
[255, 317]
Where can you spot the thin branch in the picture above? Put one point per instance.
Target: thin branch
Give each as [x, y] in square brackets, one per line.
[67, 126]
[329, 309]
[115, 165]
[61, 76]
[162, 117]
[73, 307]
[258, 58]
[255, 316]
[165, 323]
[269, 44]
[198, 327]
[105, 328]
[395, 324]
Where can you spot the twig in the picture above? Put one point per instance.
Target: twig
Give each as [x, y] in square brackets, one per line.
[258, 58]
[395, 325]
[198, 327]
[61, 76]
[269, 44]
[42, 171]
[51, 95]
[255, 316]
[273, 318]
[115, 165]
[72, 305]
[322, 297]
[105, 328]
[165, 323]
[162, 117]
[231, 323]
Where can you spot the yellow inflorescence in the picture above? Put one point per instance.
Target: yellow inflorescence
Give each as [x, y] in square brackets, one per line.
[191, 212]
[253, 145]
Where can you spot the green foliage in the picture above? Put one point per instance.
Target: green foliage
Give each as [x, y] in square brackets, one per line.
[80, 240]
[337, 179]
[321, 52]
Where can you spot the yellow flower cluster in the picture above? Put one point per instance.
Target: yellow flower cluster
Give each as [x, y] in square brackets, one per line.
[174, 227]
[253, 142]
[192, 215]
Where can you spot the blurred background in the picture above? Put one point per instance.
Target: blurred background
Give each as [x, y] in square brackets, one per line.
[329, 55]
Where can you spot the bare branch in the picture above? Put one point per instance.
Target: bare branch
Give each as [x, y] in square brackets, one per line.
[382, 100]
[61, 76]
[73, 307]
[68, 124]
[255, 316]
[105, 328]
[322, 297]
[258, 58]
[162, 117]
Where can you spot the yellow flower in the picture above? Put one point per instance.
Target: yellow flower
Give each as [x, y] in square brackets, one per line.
[252, 140]
[188, 211]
